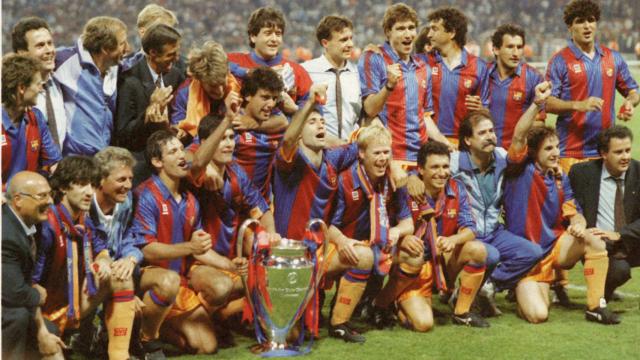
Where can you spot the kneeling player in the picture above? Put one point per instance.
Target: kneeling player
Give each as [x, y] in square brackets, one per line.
[442, 248]
[538, 203]
[70, 244]
[361, 234]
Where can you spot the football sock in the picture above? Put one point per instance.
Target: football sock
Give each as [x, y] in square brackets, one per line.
[153, 314]
[349, 293]
[120, 313]
[470, 281]
[595, 275]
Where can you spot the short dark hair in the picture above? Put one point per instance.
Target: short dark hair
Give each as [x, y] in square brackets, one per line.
[332, 23]
[17, 70]
[431, 147]
[74, 169]
[208, 125]
[453, 20]
[468, 123]
[262, 77]
[617, 132]
[264, 17]
[22, 27]
[421, 40]
[583, 9]
[157, 36]
[399, 12]
[506, 29]
[536, 137]
[155, 142]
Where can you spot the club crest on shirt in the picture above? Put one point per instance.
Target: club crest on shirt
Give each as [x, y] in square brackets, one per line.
[451, 213]
[414, 206]
[165, 209]
[248, 137]
[355, 196]
[517, 95]
[434, 71]
[577, 68]
[35, 144]
[468, 83]
[333, 180]
[609, 72]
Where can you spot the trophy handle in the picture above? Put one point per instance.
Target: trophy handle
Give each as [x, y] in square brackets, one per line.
[325, 248]
[253, 224]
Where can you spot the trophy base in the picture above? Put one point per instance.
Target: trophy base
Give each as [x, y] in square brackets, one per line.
[267, 352]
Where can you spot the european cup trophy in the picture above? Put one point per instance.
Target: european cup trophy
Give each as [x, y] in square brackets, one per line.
[282, 280]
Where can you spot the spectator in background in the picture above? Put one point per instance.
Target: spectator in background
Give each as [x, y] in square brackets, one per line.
[88, 75]
[26, 141]
[32, 36]
[342, 106]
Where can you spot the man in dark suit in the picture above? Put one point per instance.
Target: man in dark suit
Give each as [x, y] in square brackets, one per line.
[608, 190]
[145, 92]
[23, 327]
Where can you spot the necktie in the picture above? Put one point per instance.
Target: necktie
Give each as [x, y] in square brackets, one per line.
[618, 206]
[32, 245]
[51, 115]
[338, 101]
[159, 81]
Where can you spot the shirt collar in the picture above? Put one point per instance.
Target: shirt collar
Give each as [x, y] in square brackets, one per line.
[85, 58]
[325, 65]
[164, 190]
[394, 56]
[28, 230]
[606, 175]
[259, 60]
[154, 75]
[579, 53]
[463, 57]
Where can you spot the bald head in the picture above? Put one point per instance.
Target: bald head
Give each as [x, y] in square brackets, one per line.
[29, 194]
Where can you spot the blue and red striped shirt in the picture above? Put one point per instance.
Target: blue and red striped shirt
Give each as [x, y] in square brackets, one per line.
[27, 145]
[223, 211]
[160, 218]
[303, 192]
[251, 60]
[451, 86]
[254, 152]
[352, 212]
[404, 110]
[576, 77]
[537, 205]
[510, 98]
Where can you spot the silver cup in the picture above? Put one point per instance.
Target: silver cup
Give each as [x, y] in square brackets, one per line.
[287, 282]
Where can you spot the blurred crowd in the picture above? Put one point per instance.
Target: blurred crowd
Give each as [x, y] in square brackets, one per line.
[225, 21]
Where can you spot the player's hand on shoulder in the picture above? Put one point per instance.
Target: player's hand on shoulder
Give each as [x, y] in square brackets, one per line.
[200, 242]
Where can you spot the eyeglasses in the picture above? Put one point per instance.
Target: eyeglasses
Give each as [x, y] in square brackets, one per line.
[40, 196]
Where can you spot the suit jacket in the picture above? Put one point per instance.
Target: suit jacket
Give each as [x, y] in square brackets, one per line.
[585, 182]
[134, 92]
[17, 264]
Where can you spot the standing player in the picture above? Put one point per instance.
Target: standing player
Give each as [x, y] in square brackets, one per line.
[26, 141]
[306, 173]
[254, 150]
[396, 87]
[445, 240]
[459, 78]
[584, 76]
[369, 219]
[333, 68]
[265, 29]
[71, 245]
[512, 82]
[538, 202]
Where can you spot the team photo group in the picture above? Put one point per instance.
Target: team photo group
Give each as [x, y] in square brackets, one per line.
[162, 197]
